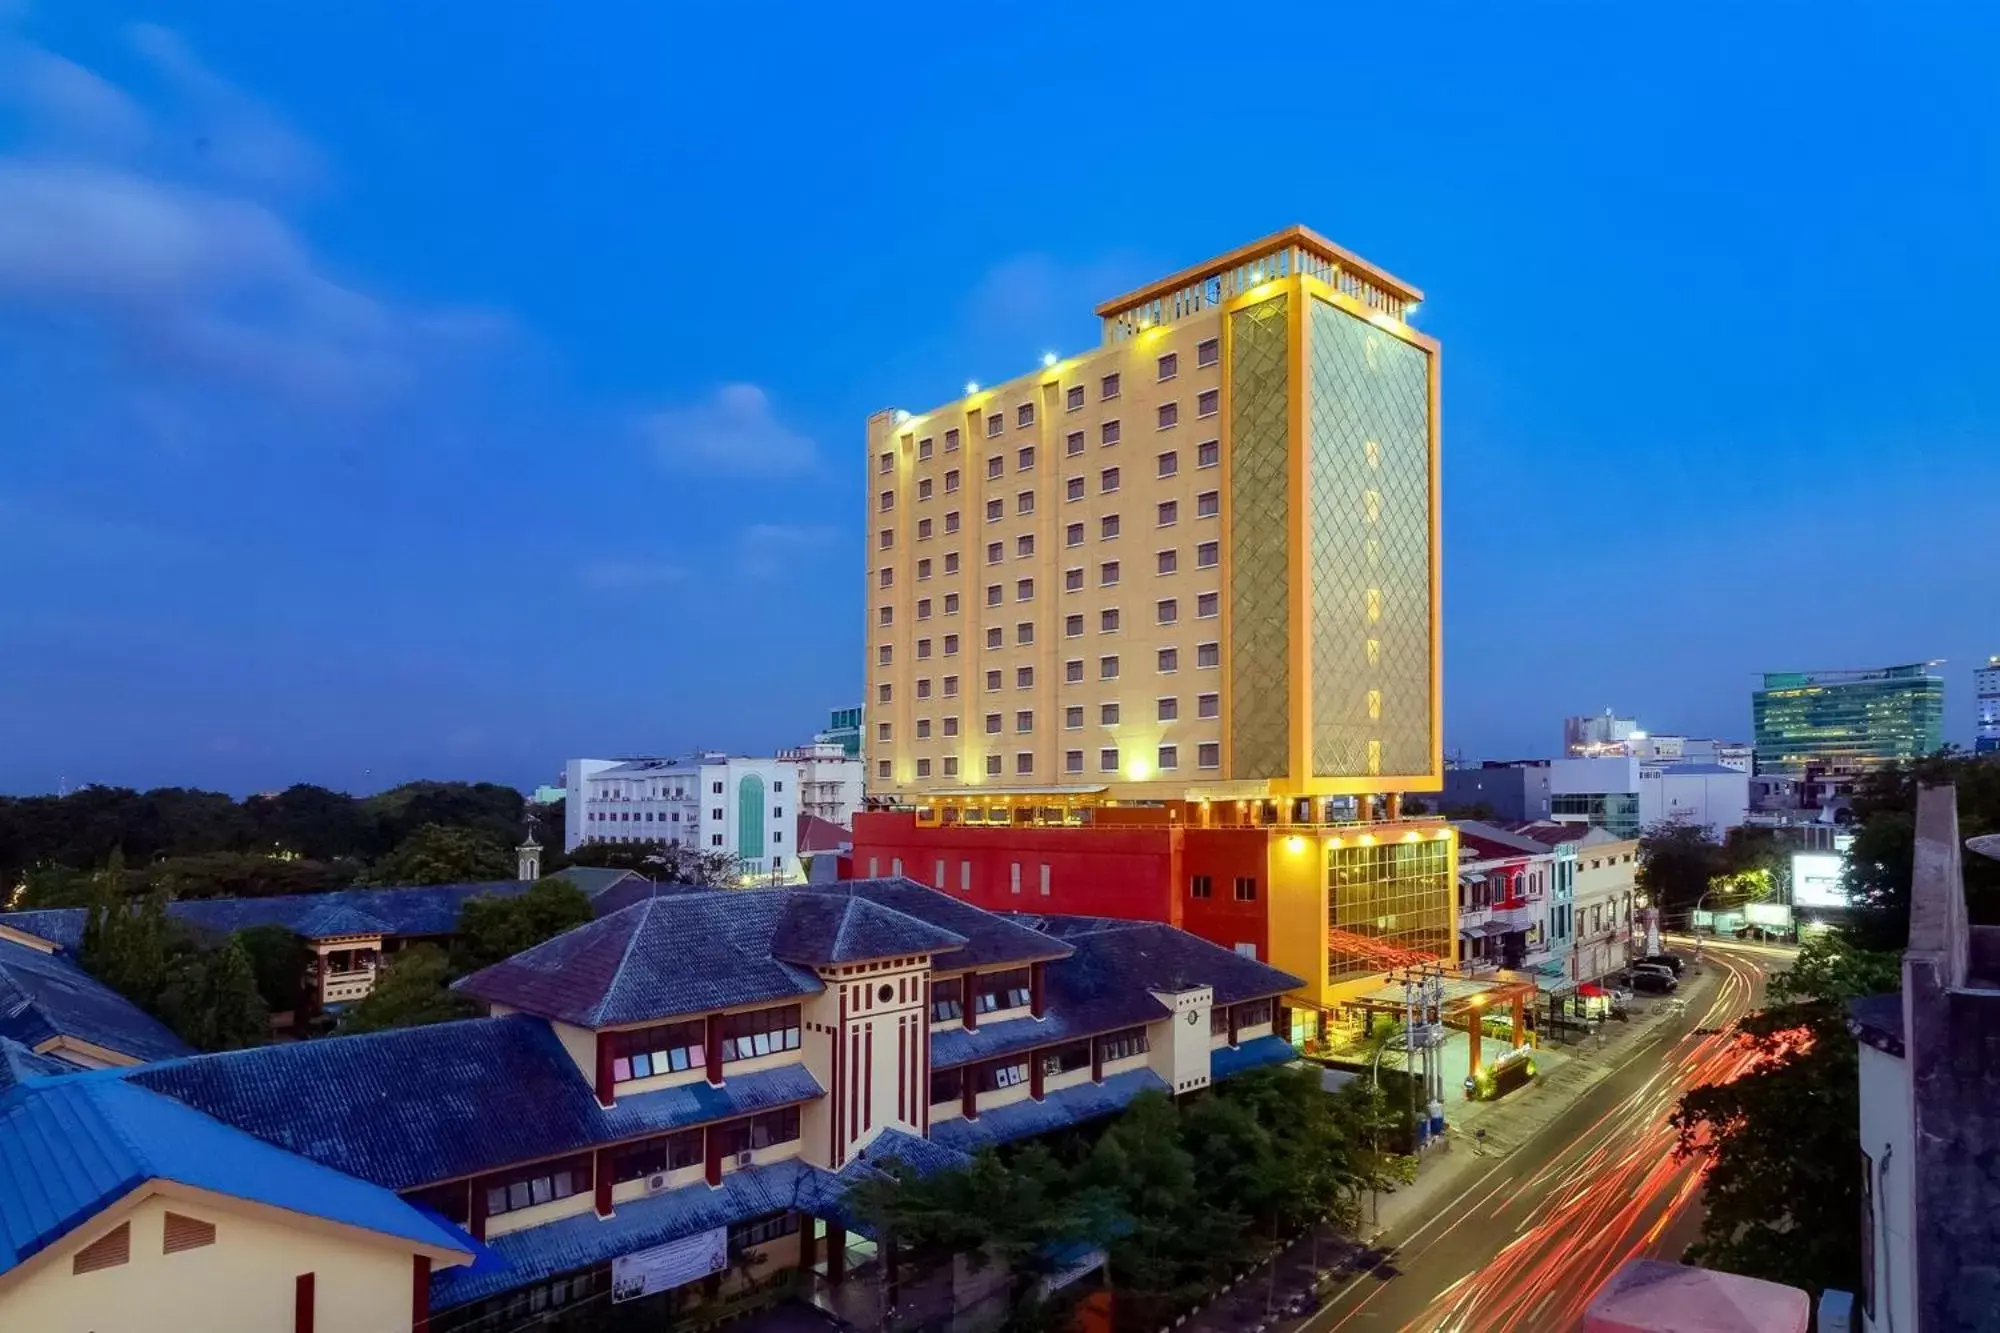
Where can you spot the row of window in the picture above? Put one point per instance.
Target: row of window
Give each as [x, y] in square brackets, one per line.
[1207, 504]
[671, 1048]
[1166, 611]
[1167, 709]
[1207, 555]
[1203, 886]
[1208, 755]
[1167, 463]
[1108, 666]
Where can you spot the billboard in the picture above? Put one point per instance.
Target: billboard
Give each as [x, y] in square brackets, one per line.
[1816, 880]
[665, 1267]
[1771, 916]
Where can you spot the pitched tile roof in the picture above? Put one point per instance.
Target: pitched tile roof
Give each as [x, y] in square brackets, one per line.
[824, 928]
[595, 880]
[583, 1241]
[47, 995]
[681, 953]
[919, 1154]
[331, 919]
[992, 939]
[429, 910]
[72, 1146]
[18, 1064]
[821, 835]
[1227, 1061]
[60, 926]
[1061, 1109]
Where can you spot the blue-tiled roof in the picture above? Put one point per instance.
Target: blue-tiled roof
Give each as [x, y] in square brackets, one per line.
[595, 881]
[331, 919]
[18, 1064]
[958, 1046]
[431, 910]
[1224, 1061]
[992, 939]
[60, 926]
[1061, 1109]
[920, 1155]
[586, 1240]
[46, 995]
[822, 928]
[417, 1105]
[675, 954]
[69, 1147]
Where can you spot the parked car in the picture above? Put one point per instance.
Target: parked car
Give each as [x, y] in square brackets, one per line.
[1657, 969]
[1673, 962]
[1654, 982]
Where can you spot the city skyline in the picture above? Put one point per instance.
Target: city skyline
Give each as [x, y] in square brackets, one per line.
[379, 465]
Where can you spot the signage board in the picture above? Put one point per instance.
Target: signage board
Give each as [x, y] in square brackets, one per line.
[1816, 880]
[1776, 916]
[665, 1267]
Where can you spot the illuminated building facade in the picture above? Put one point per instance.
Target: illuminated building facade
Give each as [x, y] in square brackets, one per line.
[1986, 693]
[1840, 723]
[1183, 584]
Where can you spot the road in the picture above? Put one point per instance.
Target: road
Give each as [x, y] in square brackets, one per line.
[1525, 1244]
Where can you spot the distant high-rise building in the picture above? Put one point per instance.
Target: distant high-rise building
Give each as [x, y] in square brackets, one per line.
[1986, 688]
[1597, 733]
[1842, 723]
[843, 728]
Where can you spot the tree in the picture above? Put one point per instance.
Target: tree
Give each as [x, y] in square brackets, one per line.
[1175, 1236]
[411, 989]
[245, 875]
[125, 945]
[1781, 1140]
[1678, 863]
[277, 961]
[492, 928]
[211, 999]
[436, 854]
[1879, 864]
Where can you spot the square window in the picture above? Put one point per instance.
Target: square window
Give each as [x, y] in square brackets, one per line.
[1208, 453]
[1208, 352]
[1024, 545]
[1170, 513]
[1107, 574]
[1208, 402]
[923, 768]
[881, 771]
[995, 552]
[1169, 365]
[1169, 415]
[1024, 633]
[950, 647]
[950, 692]
[1024, 678]
[1072, 627]
[1170, 709]
[1107, 527]
[1073, 670]
[1024, 503]
[1107, 387]
[951, 439]
[1073, 578]
[923, 608]
[1024, 415]
[1024, 590]
[1073, 489]
[1170, 463]
[1073, 398]
[1169, 660]
[995, 639]
[993, 724]
[1107, 620]
[1166, 562]
[996, 423]
[1024, 460]
[1024, 762]
[924, 450]
[923, 692]
[1073, 443]
[951, 726]
[1108, 433]
[1073, 715]
[1073, 533]
[1208, 504]
[923, 529]
[1107, 480]
[884, 655]
[1107, 759]
[887, 463]
[1246, 888]
[881, 731]
[1107, 668]
[1208, 754]
[1107, 715]
[886, 539]
[887, 502]
[992, 680]
[951, 481]
[1170, 757]
[951, 766]
[996, 509]
[994, 594]
[1208, 555]
[951, 562]
[884, 692]
[951, 603]
[1208, 605]
[1201, 886]
[1024, 720]
[950, 525]
[996, 467]
[1166, 611]
[1072, 761]
[1208, 705]
[993, 766]
[923, 570]
[887, 578]
[1207, 655]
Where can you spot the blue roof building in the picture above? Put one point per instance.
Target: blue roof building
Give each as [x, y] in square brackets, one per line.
[50, 1005]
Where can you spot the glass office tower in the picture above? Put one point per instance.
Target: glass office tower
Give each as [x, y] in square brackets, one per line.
[1840, 723]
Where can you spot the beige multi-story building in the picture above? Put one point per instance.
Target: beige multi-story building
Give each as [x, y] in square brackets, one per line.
[1196, 563]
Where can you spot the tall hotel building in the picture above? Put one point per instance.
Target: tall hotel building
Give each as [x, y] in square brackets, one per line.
[1154, 630]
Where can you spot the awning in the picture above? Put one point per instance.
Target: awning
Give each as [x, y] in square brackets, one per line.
[1590, 990]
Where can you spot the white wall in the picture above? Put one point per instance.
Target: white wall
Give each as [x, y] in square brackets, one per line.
[1887, 1112]
[1717, 801]
[1591, 777]
[574, 774]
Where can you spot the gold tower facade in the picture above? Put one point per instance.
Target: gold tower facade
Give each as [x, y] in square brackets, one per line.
[1197, 563]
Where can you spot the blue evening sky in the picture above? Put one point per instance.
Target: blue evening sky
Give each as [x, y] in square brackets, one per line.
[394, 390]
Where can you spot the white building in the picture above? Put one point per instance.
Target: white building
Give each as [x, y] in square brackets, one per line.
[1626, 795]
[1607, 868]
[829, 780]
[748, 808]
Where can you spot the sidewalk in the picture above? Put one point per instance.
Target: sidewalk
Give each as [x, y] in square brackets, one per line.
[1564, 1073]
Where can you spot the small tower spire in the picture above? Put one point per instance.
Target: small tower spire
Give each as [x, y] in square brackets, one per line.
[528, 856]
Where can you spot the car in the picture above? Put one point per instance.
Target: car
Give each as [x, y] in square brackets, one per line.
[1657, 969]
[1659, 982]
[1673, 962]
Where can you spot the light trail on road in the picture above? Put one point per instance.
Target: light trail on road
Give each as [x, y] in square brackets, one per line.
[1611, 1193]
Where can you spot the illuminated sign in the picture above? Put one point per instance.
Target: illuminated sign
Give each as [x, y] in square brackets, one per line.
[1816, 880]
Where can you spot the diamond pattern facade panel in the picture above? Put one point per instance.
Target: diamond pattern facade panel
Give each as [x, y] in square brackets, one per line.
[1260, 518]
[1368, 521]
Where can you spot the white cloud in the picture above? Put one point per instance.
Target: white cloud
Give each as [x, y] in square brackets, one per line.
[734, 431]
[232, 133]
[775, 550]
[64, 100]
[610, 575]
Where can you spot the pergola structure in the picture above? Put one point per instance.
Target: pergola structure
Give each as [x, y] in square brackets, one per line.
[1464, 999]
